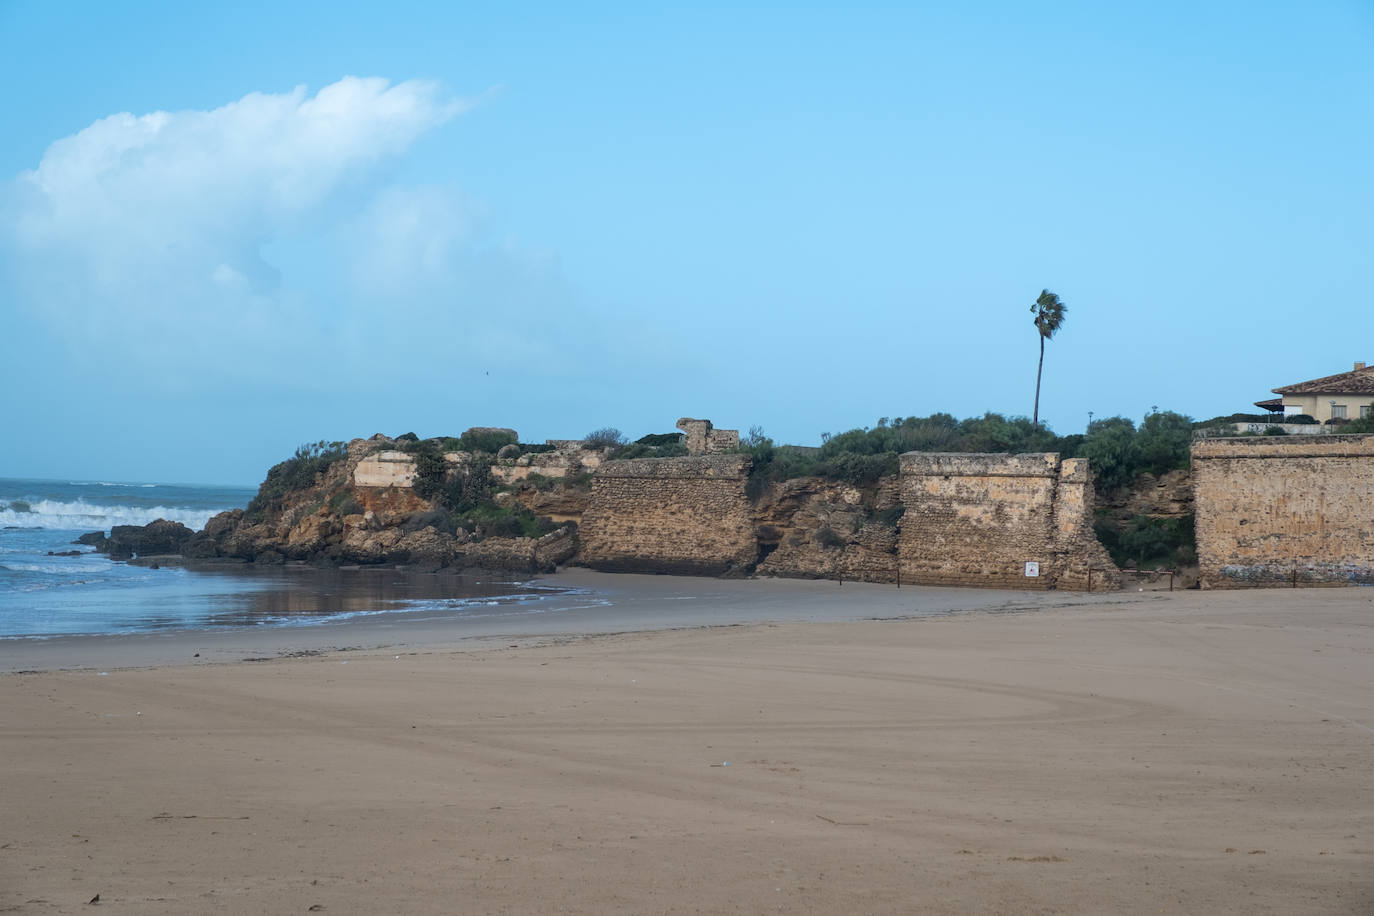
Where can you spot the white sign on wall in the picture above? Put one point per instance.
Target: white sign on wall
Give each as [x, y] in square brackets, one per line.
[1032, 569]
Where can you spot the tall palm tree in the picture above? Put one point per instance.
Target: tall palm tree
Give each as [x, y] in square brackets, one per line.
[1049, 317]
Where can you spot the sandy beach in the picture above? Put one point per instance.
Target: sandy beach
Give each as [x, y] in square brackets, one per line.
[713, 747]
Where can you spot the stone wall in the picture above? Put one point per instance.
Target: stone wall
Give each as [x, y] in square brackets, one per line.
[1275, 511]
[686, 516]
[704, 439]
[976, 519]
[385, 469]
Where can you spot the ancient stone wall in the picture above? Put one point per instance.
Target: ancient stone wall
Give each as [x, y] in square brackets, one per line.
[975, 519]
[1277, 511]
[687, 516]
[385, 469]
[704, 439]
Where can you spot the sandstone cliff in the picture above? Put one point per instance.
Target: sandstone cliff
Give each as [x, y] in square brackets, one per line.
[381, 500]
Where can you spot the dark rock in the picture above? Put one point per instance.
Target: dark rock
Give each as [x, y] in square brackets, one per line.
[65, 553]
[209, 541]
[94, 539]
[156, 537]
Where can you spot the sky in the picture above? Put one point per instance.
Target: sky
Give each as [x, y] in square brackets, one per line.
[228, 229]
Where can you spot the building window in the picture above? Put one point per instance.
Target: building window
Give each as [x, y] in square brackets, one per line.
[1338, 411]
[1364, 411]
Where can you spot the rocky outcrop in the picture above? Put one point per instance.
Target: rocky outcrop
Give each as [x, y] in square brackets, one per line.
[1010, 520]
[159, 537]
[361, 504]
[812, 528]
[1169, 495]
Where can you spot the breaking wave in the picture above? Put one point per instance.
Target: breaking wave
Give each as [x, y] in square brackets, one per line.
[80, 515]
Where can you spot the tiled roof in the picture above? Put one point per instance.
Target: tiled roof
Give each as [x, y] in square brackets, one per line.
[1271, 404]
[1357, 381]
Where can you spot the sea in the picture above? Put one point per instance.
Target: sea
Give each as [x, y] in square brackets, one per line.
[51, 586]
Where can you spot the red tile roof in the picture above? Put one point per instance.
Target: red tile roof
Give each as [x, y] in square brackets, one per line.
[1357, 381]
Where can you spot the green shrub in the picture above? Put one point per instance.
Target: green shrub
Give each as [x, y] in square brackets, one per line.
[343, 502]
[1364, 424]
[1146, 542]
[858, 469]
[658, 440]
[606, 437]
[299, 472]
[1164, 441]
[1112, 451]
[582, 480]
[489, 441]
[506, 521]
[644, 450]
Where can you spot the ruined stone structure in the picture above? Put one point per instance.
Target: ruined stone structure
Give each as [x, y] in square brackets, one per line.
[704, 439]
[1010, 521]
[1276, 511]
[385, 469]
[688, 516]
[569, 456]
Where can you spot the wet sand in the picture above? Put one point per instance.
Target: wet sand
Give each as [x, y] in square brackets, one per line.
[1143, 753]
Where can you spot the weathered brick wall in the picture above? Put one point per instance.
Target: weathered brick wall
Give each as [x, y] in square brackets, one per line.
[687, 516]
[975, 519]
[1279, 511]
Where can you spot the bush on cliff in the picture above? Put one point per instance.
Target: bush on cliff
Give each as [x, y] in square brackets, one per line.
[489, 441]
[606, 437]
[490, 520]
[299, 472]
[1146, 542]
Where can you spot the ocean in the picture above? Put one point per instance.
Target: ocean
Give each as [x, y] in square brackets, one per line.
[45, 594]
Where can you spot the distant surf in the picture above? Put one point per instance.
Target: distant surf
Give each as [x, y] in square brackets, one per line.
[50, 586]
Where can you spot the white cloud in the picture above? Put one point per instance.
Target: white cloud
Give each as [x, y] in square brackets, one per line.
[149, 231]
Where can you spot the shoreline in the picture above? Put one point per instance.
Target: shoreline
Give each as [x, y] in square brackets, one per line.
[594, 604]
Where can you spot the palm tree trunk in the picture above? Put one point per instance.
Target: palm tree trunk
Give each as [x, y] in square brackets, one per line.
[1035, 416]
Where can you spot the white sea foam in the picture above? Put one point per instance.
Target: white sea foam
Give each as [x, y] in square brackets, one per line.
[83, 516]
[67, 568]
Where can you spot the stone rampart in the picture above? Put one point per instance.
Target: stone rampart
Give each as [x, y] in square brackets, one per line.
[1275, 511]
[385, 469]
[686, 516]
[702, 438]
[991, 520]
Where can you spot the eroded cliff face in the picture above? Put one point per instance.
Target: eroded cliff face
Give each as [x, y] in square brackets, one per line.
[812, 528]
[1169, 495]
[364, 509]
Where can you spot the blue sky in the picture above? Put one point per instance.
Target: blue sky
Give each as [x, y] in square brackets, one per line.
[229, 229]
